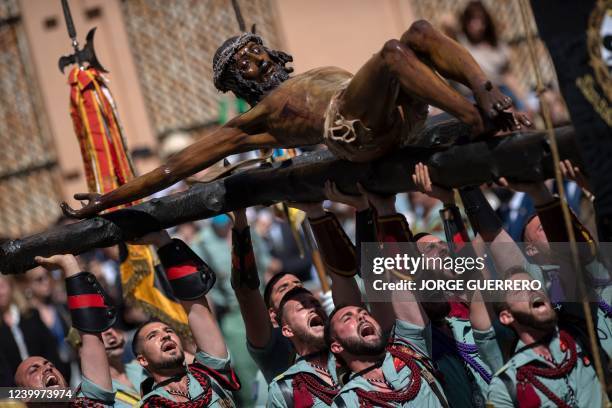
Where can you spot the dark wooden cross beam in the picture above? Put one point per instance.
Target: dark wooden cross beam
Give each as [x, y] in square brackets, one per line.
[521, 157]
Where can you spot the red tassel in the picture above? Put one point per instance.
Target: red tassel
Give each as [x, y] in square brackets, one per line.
[301, 396]
[527, 396]
[459, 309]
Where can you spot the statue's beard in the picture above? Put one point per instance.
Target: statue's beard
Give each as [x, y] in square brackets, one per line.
[253, 91]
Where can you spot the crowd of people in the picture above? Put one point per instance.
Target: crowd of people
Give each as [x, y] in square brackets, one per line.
[265, 330]
[305, 347]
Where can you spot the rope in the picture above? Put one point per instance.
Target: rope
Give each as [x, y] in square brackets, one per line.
[527, 374]
[312, 385]
[239, 18]
[559, 181]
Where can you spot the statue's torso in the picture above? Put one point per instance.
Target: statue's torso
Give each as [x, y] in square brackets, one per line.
[297, 107]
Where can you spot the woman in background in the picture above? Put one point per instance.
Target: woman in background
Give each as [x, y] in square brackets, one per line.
[479, 35]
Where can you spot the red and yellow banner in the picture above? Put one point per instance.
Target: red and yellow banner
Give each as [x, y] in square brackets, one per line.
[107, 166]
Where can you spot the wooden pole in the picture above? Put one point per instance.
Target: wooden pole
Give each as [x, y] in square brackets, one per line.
[519, 157]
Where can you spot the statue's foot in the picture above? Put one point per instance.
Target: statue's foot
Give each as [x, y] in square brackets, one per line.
[491, 100]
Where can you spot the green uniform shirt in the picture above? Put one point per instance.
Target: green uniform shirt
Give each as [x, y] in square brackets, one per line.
[260, 390]
[462, 388]
[416, 337]
[488, 348]
[275, 357]
[581, 381]
[90, 390]
[222, 365]
[597, 272]
[275, 395]
[127, 396]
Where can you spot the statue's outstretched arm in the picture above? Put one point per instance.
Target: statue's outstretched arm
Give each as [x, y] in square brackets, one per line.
[242, 134]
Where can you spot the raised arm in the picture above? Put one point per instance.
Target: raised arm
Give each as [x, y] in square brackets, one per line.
[486, 223]
[245, 282]
[244, 133]
[337, 251]
[191, 279]
[392, 227]
[83, 293]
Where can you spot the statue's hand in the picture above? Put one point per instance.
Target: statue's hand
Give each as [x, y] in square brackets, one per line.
[92, 207]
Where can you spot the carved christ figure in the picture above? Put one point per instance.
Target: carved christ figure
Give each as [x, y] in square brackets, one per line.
[359, 117]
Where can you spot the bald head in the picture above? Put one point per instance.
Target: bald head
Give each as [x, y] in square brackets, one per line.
[38, 372]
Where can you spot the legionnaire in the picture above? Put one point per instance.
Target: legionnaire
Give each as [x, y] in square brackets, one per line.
[312, 381]
[550, 366]
[387, 352]
[387, 374]
[272, 351]
[455, 351]
[127, 377]
[330, 105]
[210, 380]
[92, 313]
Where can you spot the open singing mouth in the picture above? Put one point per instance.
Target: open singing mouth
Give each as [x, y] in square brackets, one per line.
[538, 301]
[366, 329]
[113, 344]
[50, 381]
[315, 321]
[169, 345]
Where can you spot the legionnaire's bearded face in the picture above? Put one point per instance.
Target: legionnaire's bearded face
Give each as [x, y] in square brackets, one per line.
[38, 372]
[357, 332]
[529, 308]
[304, 320]
[252, 70]
[161, 348]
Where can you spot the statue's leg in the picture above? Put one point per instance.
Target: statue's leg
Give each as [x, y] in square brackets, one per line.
[372, 94]
[453, 61]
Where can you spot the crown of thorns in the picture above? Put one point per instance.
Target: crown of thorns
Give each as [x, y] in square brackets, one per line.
[223, 56]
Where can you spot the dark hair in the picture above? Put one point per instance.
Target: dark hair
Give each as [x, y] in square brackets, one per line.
[135, 341]
[420, 235]
[474, 7]
[327, 331]
[270, 285]
[292, 294]
[524, 230]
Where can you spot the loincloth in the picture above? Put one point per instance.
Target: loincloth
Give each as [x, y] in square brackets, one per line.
[350, 139]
